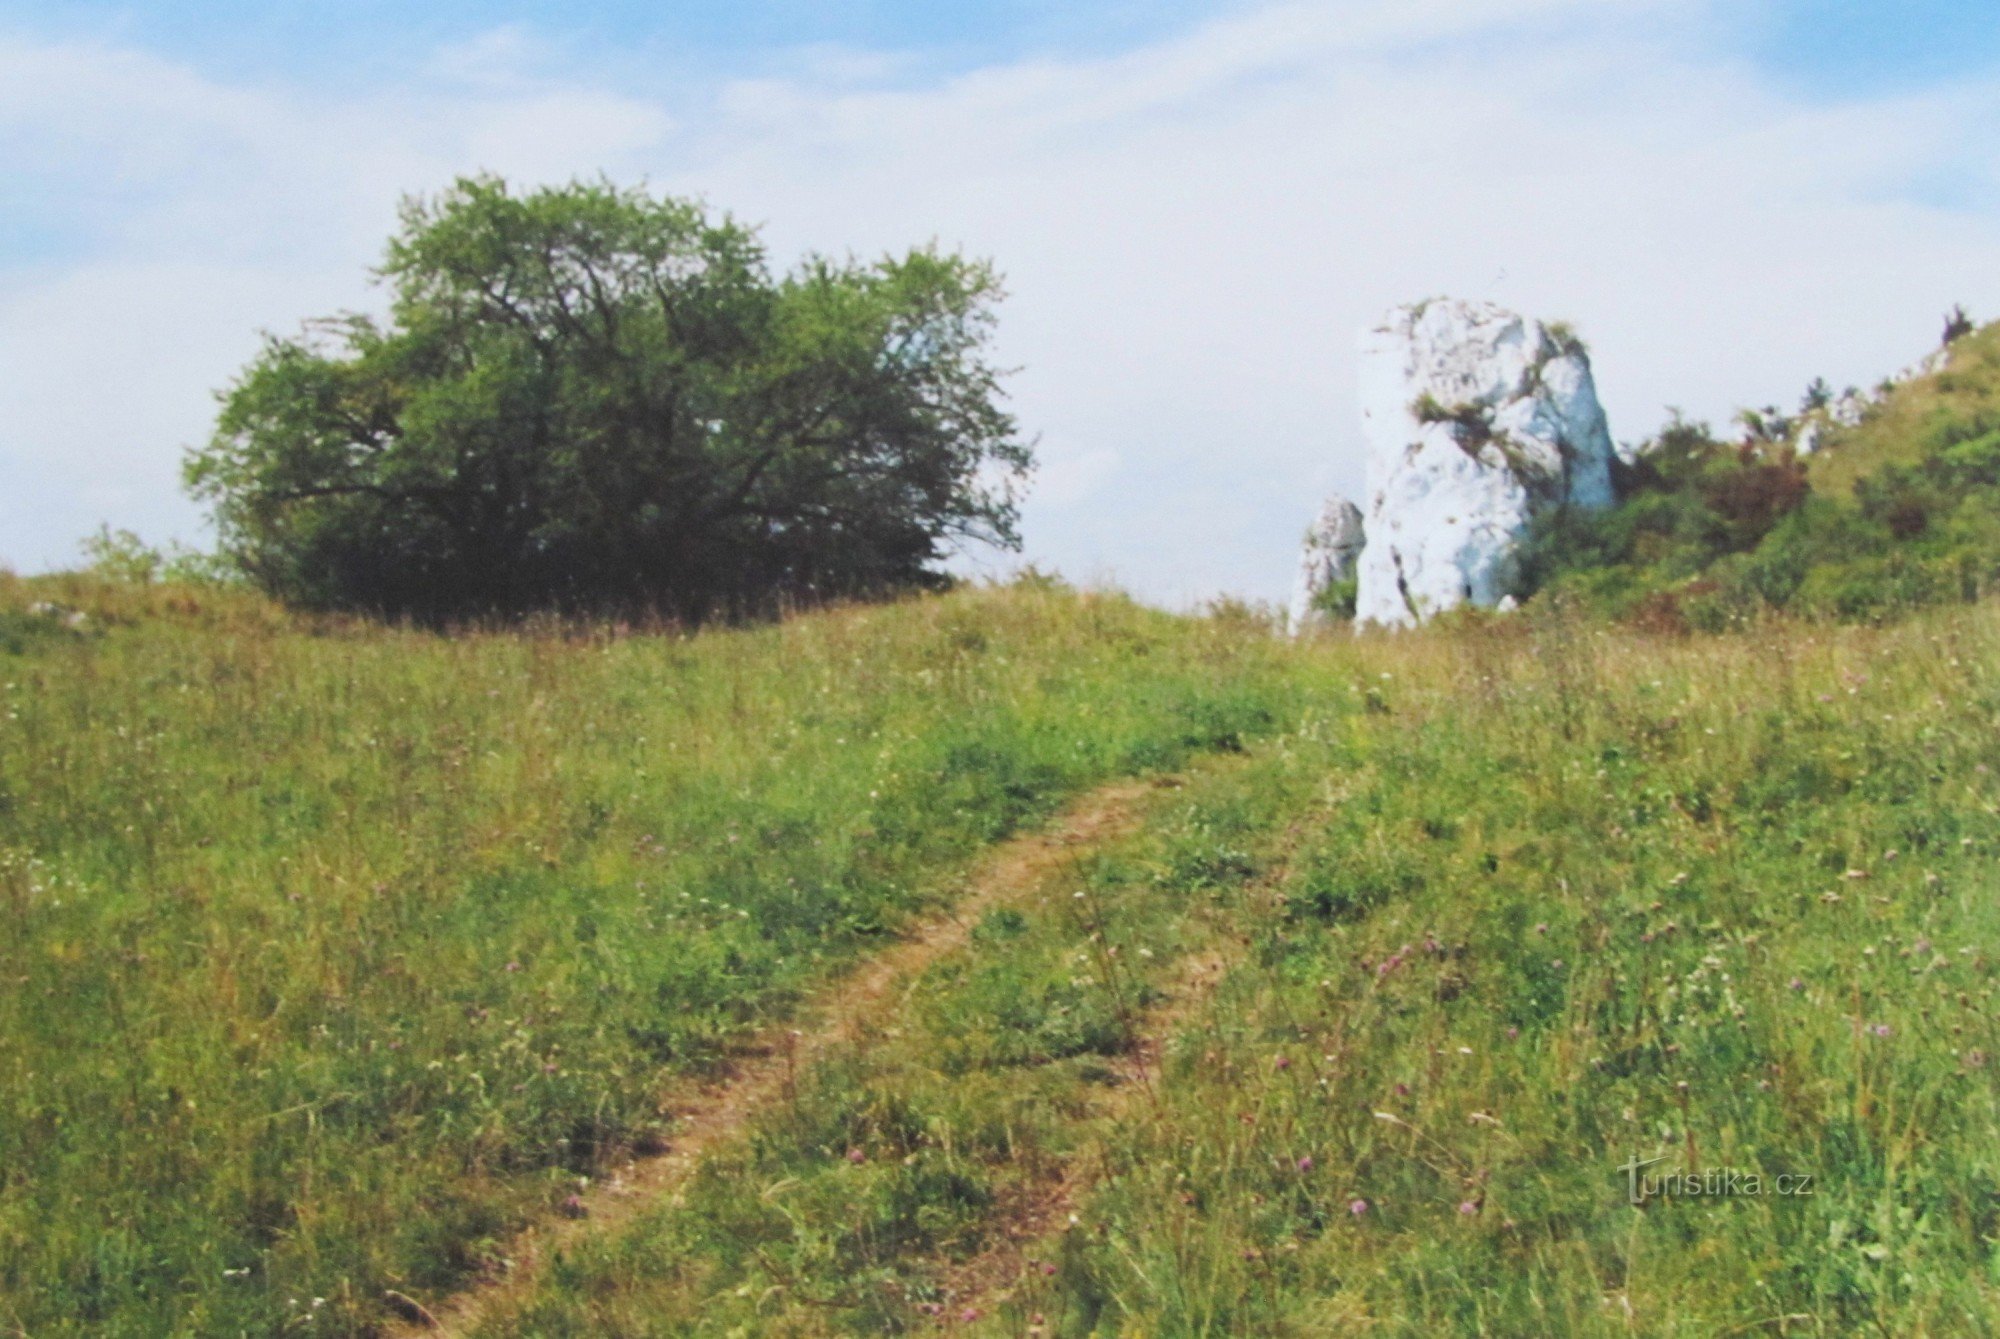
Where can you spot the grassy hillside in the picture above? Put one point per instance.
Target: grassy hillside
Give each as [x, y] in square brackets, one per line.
[1895, 513]
[333, 952]
[1913, 418]
[1578, 901]
[1510, 909]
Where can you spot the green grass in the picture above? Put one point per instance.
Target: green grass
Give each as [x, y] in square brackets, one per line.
[860, 1205]
[1579, 899]
[1961, 401]
[332, 953]
[1520, 903]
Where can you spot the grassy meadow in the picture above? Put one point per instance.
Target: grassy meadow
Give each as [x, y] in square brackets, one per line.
[334, 953]
[1572, 899]
[1956, 404]
[1509, 907]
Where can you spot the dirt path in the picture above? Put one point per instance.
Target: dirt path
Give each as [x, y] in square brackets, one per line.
[1031, 1224]
[1038, 1214]
[766, 1067]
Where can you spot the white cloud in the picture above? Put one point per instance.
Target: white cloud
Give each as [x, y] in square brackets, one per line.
[1068, 481]
[223, 211]
[1193, 231]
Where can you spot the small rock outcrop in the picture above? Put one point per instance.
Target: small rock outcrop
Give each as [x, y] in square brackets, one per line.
[1816, 425]
[1329, 558]
[1476, 421]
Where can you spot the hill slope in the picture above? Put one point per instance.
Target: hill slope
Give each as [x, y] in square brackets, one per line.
[333, 952]
[336, 954]
[1914, 418]
[1518, 920]
[1900, 510]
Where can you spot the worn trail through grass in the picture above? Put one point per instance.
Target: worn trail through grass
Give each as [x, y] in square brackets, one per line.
[337, 954]
[996, 1276]
[922, 1069]
[766, 1069]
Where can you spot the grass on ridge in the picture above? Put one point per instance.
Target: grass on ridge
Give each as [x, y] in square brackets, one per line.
[1556, 898]
[1962, 401]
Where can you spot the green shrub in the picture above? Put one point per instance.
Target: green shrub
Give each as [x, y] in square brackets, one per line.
[1338, 599]
[1710, 535]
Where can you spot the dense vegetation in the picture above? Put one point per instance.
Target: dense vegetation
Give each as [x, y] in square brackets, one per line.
[335, 951]
[1895, 512]
[591, 399]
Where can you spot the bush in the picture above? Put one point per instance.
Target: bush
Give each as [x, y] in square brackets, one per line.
[1338, 599]
[1710, 534]
[1689, 499]
[591, 399]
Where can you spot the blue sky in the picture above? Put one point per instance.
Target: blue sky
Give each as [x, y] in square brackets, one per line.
[376, 39]
[1846, 46]
[1831, 45]
[1198, 206]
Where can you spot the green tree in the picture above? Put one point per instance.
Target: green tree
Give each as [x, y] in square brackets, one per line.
[587, 398]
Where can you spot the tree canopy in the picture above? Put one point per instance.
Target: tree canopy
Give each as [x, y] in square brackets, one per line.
[587, 398]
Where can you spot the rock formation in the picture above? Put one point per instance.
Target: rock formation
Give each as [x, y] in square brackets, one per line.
[1815, 426]
[1476, 422]
[1332, 550]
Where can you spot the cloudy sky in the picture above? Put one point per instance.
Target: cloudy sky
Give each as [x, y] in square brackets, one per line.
[1198, 203]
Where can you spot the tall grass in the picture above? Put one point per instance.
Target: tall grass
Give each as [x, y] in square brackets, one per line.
[1577, 900]
[866, 1202]
[330, 953]
[1519, 904]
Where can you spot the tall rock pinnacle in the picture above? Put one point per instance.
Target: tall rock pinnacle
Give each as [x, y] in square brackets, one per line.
[1476, 422]
[1329, 558]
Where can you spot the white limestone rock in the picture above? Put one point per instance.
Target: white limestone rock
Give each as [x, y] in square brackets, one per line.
[1848, 409]
[1476, 422]
[1332, 549]
[1932, 363]
[1816, 427]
